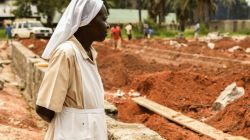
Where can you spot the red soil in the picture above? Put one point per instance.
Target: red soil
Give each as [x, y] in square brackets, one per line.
[245, 43]
[225, 43]
[186, 88]
[39, 45]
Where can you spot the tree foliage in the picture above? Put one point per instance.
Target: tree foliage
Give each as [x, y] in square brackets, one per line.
[187, 11]
[48, 8]
[232, 9]
[23, 8]
[45, 7]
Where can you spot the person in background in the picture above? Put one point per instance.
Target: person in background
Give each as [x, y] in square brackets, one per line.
[116, 36]
[196, 30]
[8, 33]
[128, 29]
[150, 32]
[71, 95]
[145, 30]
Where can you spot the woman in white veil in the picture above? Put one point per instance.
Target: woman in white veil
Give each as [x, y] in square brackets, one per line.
[71, 95]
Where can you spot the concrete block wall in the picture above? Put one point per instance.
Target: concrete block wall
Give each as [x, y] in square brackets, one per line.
[23, 61]
[230, 25]
[24, 64]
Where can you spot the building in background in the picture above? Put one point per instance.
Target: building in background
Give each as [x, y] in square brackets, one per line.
[6, 15]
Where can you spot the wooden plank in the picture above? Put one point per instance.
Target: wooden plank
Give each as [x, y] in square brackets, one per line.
[188, 122]
[6, 62]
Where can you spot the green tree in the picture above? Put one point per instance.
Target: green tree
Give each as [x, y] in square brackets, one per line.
[190, 10]
[158, 9]
[204, 9]
[45, 7]
[229, 4]
[23, 8]
[183, 10]
[49, 7]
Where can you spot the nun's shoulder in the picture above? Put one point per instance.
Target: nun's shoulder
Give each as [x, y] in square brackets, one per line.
[65, 48]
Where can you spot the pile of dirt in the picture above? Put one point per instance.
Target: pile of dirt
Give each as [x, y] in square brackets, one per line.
[245, 43]
[35, 45]
[192, 94]
[185, 88]
[197, 44]
[185, 91]
[130, 112]
[225, 43]
[117, 69]
[181, 40]
[235, 118]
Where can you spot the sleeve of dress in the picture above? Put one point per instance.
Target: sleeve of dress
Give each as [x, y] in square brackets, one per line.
[54, 87]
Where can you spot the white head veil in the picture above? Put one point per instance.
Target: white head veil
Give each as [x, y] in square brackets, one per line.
[78, 13]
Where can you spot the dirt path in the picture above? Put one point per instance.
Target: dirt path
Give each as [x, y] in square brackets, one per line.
[17, 120]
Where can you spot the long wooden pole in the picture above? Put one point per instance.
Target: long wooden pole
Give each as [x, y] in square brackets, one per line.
[183, 120]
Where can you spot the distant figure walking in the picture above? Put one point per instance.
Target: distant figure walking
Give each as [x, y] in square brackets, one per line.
[116, 36]
[196, 30]
[150, 32]
[145, 30]
[128, 29]
[8, 33]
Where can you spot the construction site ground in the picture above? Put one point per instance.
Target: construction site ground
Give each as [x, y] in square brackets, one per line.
[184, 75]
[18, 120]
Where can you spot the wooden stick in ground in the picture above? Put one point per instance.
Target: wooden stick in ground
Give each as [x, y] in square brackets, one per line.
[183, 120]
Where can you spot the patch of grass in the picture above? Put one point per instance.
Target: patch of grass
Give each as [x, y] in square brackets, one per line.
[189, 33]
[2, 33]
[243, 32]
[164, 32]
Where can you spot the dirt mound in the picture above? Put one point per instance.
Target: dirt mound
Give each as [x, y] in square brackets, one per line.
[170, 130]
[35, 45]
[235, 118]
[188, 92]
[185, 88]
[245, 43]
[118, 69]
[197, 44]
[192, 94]
[181, 40]
[133, 113]
[225, 43]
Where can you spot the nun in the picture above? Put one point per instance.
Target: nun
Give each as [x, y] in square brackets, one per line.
[71, 95]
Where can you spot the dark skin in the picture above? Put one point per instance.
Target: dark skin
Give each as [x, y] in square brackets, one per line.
[96, 30]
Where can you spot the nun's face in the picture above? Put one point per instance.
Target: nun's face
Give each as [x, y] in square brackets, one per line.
[98, 26]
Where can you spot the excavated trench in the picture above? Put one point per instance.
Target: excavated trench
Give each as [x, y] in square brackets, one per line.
[187, 79]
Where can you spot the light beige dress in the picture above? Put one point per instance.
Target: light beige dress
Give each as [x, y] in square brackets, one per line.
[63, 90]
